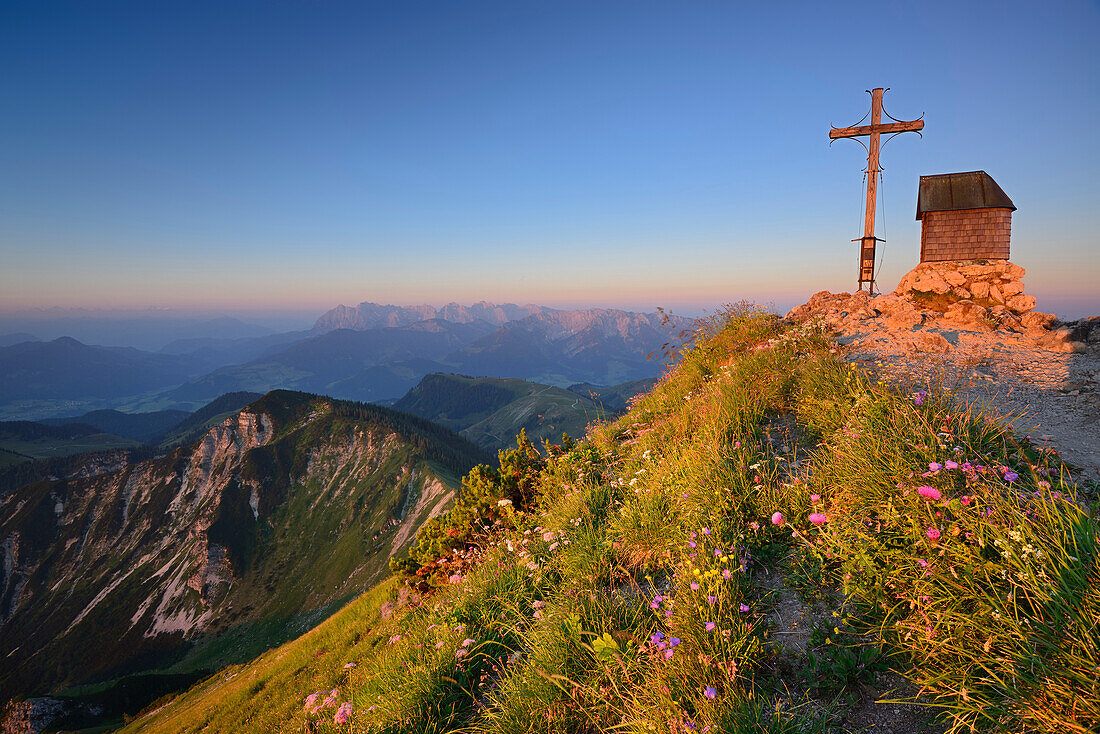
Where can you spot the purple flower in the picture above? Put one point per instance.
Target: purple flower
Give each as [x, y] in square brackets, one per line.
[951, 464]
[706, 531]
[656, 638]
[709, 692]
[726, 573]
[933, 466]
[717, 551]
[932, 534]
[711, 599]
[744, 608]
[343, 713]
[669, 653]
[1011, 476]
[694, 586]
[710, 626]
[929, 493]
[691, 544]
[674, 641]
[656, 603]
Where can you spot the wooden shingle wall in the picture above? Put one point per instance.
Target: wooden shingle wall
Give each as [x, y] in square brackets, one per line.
[965, 234]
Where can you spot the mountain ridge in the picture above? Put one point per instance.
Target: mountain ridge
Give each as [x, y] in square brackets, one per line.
[290, 504]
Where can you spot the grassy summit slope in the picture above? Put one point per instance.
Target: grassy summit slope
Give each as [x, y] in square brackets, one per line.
[645, 587]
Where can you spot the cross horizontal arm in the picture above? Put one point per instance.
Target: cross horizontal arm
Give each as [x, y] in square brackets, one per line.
[891, 127]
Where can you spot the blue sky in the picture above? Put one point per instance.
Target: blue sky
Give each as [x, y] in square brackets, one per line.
[302, 154]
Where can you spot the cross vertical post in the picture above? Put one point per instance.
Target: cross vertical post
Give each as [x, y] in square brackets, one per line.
[873, 132]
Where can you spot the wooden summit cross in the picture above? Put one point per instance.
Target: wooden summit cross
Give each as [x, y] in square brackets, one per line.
[874, 130]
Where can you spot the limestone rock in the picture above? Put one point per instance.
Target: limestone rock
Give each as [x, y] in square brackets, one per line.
[1037, 318]
[979, 289]
[967, 315]
[1011, 288]
[954, 278]
[1021, 303]
[930, 341]
[931, 282]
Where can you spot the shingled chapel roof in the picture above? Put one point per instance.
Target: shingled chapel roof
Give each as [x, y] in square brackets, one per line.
[952, 191]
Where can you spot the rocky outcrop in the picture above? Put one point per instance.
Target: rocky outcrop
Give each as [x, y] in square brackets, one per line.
[35, 715]
[988, 283]
[982, 296]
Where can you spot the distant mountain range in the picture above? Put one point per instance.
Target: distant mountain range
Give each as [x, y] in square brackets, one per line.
[372, 315]
[600, 346]
[218, 548]
[65, 368]
[369, 353]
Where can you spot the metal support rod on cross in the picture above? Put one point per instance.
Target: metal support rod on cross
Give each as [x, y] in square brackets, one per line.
[873, 131]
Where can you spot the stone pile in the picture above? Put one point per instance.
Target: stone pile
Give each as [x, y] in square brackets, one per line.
[988, 283]
[937, 299]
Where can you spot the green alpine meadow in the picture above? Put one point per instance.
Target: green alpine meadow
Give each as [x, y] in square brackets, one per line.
[774, 538]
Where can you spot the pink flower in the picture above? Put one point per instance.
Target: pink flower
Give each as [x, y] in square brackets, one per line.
[932, 534]
[951, 464]
[348, 665]
[343, 713]
[709, 692]
[930, 493]
[394, 639]
[744, 608]
[817, 518]
[710, 626]
[694, 586]
[777, 518]
[815, 498]
[726, 573]
[934, 467]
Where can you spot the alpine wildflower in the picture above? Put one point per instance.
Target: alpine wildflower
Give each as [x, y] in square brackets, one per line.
[817, 518]
[929, 493]
[343, 713]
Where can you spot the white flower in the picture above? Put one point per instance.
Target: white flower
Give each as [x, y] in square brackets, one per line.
[504, 502]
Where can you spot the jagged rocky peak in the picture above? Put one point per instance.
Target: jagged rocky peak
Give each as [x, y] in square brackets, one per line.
[369, 315]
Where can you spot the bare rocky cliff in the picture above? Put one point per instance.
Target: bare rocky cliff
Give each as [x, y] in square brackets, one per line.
[291, 504]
